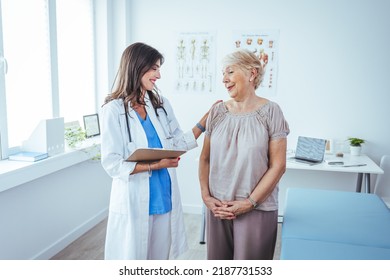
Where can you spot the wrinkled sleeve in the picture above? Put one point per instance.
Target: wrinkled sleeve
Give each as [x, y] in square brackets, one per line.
[277, 124]
[112, 145]
[213, 118]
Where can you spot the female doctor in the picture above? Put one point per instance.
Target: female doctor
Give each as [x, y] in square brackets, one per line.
[145, 216]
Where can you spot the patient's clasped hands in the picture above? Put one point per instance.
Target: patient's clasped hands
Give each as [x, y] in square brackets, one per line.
[228, 210]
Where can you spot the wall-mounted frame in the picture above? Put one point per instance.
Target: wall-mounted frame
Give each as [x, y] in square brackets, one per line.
[91, 125]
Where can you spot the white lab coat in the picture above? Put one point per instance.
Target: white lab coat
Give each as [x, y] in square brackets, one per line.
[127, 228]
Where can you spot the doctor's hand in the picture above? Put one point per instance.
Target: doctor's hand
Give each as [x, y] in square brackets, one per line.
[165, 163]
[207, 113]
[201, 125]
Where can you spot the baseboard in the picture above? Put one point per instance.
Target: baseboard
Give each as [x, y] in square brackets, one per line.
[67, 239]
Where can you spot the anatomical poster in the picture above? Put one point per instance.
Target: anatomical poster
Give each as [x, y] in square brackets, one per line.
[264, 43]
[195, 62]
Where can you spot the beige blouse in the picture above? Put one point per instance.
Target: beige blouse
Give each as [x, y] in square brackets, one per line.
[239, 150]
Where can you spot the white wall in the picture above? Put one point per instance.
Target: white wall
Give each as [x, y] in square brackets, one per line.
[332, 83]
[39, 218]
[333, 68]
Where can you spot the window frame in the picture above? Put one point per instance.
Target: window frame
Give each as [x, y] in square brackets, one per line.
[5, 150]
[3, 106]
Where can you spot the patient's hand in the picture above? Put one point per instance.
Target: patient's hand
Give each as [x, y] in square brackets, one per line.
[238, 207]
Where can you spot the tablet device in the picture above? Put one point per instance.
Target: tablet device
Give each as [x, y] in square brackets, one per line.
[153, 154]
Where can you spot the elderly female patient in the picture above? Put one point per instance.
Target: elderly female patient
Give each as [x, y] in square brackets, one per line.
[242, 161]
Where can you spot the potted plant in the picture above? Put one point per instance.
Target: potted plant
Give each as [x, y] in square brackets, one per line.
[74, 136]
[355, 145]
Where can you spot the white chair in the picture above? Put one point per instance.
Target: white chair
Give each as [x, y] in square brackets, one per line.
[382, 184]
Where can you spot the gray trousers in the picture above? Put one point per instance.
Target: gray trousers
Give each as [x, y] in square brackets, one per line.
[251, 236]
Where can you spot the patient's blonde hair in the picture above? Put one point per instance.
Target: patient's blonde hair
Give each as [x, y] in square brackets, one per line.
[246, 60]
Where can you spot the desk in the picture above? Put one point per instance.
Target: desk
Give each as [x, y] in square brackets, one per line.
[365, 171]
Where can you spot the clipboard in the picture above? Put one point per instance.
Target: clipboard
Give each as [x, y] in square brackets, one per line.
[153, 154]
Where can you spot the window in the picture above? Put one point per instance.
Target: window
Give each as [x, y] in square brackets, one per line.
[46, 65]
[27, 79]
[75, 59]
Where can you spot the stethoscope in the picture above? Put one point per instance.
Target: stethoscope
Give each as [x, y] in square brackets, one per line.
[168, 133]
[127, 122]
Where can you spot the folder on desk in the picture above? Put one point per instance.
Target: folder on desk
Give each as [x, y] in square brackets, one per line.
[28, 156]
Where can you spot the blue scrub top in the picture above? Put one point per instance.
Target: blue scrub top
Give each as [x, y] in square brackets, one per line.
[160, 201]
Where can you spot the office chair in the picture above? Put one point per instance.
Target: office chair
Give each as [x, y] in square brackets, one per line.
[382, 184]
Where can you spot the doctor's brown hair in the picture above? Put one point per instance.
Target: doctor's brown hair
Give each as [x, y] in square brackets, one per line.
[137, 59]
